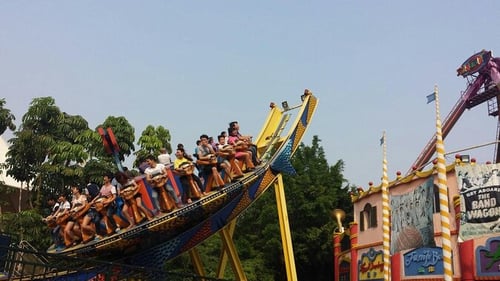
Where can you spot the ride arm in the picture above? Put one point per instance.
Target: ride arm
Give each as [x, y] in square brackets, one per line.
[449, 122]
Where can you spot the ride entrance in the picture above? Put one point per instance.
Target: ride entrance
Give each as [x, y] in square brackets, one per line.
[140, 252]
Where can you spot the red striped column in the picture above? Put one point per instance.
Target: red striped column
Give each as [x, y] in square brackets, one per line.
[336, 254]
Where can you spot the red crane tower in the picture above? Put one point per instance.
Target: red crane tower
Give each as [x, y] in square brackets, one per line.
[482, 72]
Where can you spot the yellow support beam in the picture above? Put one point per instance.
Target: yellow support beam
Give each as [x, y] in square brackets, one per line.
[221, 268]
[196, 261]
[228, 243]
[286, 238]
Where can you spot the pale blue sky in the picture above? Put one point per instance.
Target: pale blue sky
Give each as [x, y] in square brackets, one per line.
[193, 66]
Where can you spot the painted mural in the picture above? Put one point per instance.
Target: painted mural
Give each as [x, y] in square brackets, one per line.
[411, 218]
[479, 187]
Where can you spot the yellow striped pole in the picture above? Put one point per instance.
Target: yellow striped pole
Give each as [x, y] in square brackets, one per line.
[385, 215]
[443, 195]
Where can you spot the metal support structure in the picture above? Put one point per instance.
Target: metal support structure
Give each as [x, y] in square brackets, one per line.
[221, 268]
[197, 263]
[227, 241]
[497, 151]
[286, 238]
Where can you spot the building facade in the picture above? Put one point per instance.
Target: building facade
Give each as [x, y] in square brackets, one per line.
[416, 232]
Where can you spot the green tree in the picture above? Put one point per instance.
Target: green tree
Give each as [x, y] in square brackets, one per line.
[50, 151]
[26, 225]
[99, 162]
[45, 152]
[124, 134]
[6, 118]
[6, 122]
[150, 142]
[311, 195]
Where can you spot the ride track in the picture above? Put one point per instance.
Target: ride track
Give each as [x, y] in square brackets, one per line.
[163, 238]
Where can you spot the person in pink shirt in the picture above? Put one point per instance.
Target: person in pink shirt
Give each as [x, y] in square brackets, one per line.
[241, 147]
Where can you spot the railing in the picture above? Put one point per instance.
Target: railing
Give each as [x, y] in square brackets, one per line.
[23, 262]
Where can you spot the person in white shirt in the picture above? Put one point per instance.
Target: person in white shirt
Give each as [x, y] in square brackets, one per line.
[156, 169]
[72, 232]
[64, 204]
[50, 220]
[58, 232]
[164, 158]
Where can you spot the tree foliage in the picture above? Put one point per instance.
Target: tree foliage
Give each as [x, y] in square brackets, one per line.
[124, 134]
[51, 148]
[151, 141]
[99, 161]
[311, 195]
[6, 118]
[28, 226]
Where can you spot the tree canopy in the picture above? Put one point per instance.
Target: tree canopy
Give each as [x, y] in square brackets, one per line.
[6, 118]
[311, 195]
[52, 149]
[151, 141]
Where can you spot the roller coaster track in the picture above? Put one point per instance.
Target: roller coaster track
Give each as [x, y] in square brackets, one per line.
[151, 244]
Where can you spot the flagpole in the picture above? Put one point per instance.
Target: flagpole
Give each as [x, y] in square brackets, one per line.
[443, 195]
[385, 215]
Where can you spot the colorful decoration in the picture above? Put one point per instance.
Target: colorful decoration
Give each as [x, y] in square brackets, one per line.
[423, 261]
[488, 258]
[474, 64]
[371, 265]
[479, 187]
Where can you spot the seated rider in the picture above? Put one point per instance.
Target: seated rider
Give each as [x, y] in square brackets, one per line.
[125, 181]
[121, 179]
[179, 162]
[164, 157]
[62, 211]
[108, 193]
[231, 167]
[247, 139]
[243, 154]
[50, 220]
[72, 231]
[211, 164]
[156, 169]
[92, 217]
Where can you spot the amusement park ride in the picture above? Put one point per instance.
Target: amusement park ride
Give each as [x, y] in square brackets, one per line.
[482, 72]
[143, 250]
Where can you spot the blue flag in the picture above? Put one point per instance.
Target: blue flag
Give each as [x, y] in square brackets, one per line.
[431, 97]
[382, 140]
